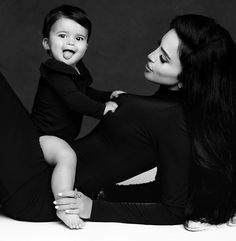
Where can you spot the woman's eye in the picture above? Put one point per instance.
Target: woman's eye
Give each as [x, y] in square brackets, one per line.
[162, 59]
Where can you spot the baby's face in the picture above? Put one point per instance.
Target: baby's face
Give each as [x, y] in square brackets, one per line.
[67, 41]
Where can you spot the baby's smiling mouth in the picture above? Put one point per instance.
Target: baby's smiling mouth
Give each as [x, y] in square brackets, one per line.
[68, 53]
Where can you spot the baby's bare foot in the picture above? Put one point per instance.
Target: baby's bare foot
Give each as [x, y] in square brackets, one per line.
[71, 220]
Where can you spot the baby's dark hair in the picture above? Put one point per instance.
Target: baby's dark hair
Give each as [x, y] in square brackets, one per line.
[67, 11]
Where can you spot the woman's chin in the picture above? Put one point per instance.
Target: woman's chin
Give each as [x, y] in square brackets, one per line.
[149, 78]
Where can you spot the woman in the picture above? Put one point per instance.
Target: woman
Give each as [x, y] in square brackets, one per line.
[185, 130]
[196, 61]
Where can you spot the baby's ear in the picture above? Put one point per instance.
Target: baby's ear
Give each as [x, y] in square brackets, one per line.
[45, 44]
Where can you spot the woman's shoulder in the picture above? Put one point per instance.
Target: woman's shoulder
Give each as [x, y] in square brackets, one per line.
[151, 103]
[149, 110]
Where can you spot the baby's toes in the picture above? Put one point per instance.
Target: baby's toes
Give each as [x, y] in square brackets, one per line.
[76, 222]
[79, 223]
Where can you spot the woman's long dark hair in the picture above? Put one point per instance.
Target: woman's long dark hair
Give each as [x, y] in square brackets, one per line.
[207, 53]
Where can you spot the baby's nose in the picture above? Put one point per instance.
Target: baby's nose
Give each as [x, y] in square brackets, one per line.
[70, 41]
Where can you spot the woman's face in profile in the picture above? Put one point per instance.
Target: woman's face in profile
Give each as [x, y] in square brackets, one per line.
[163, 66]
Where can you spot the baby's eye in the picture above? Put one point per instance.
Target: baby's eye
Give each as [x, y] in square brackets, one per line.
[162, 59]
[62, 35]
[80, 38]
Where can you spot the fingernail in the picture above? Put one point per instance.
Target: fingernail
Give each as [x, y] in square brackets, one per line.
[59, 194]
[55, 202]
[67, 211]
[56, 207]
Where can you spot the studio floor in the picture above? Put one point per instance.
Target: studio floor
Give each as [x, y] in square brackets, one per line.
[12, 230]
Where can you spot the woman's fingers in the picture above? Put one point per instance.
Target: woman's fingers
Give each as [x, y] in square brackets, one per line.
[63, 201]
[73, 211]
[66, 207]
[68, 201]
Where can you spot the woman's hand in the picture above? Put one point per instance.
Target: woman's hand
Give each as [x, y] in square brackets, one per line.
[74, 202]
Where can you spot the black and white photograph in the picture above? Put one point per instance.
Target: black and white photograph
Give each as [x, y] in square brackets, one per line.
[118, 120]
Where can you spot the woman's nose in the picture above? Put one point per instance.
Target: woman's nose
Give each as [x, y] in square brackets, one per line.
[153, 56]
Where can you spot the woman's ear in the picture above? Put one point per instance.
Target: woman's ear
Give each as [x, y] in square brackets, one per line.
[45, 44]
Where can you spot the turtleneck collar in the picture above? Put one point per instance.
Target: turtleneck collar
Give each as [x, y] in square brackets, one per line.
[163, 91]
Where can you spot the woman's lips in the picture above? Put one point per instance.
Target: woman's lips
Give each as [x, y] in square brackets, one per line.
[148, 68]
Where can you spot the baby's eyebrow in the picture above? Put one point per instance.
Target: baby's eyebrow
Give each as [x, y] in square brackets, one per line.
[79, 34]
[61, 31]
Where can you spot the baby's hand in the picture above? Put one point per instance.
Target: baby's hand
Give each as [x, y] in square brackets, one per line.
[110, 106]
[116, 93]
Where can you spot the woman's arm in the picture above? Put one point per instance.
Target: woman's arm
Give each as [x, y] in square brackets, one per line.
[126, 212]
[140, 213]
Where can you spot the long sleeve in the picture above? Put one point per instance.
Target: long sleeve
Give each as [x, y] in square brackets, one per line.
[74, 99]
[98, 95]
[142, 213]
[140, 193]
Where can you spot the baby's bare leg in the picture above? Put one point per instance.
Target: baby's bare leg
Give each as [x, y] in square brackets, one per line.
[57, 152]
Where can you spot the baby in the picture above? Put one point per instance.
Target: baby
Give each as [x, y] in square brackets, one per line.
[64, 95]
